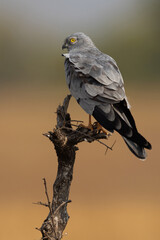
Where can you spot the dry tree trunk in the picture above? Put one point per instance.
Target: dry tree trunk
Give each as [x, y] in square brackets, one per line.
[65, 139]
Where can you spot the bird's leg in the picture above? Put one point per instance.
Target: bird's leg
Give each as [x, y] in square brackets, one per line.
[89, 124]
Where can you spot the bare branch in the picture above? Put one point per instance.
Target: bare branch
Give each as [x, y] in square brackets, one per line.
[65, 140]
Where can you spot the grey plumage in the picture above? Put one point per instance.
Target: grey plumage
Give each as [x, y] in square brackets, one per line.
[95, 81]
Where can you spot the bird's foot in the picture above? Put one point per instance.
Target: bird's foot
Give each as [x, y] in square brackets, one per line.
[100, 129]
[90, 126]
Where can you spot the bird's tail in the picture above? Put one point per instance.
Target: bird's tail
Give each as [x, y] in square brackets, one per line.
[136, 149]
[122, 121]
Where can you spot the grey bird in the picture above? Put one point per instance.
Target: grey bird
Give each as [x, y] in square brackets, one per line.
[96, 83]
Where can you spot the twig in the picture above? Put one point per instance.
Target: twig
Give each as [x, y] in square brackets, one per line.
[110, 148]
[78, 121]
[50, 209]
[46, 192]
[38, 229]
[42, 204]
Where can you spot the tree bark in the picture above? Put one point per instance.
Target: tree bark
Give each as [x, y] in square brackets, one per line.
[65, 139]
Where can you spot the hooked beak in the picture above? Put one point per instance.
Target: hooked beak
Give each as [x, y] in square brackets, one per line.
[65, 45]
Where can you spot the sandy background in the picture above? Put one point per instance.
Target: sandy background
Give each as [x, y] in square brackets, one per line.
[114, 196]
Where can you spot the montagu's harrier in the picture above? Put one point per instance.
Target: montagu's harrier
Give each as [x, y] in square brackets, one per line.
[96, 83]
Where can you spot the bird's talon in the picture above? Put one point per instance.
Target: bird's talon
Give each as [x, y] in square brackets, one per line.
[100, 129]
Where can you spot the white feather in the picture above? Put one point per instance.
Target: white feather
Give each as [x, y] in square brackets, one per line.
[66, 55]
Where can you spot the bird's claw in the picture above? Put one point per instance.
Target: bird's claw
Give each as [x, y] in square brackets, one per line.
[100, 129]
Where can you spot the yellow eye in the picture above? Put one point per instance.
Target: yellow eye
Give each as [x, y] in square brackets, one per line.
[72, 40]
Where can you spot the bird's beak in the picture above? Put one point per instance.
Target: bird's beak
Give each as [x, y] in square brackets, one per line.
[65, 45]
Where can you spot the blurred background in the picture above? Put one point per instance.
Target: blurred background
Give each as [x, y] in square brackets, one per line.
[114, 196]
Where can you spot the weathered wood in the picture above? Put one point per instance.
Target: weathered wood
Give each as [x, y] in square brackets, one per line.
[65, 139]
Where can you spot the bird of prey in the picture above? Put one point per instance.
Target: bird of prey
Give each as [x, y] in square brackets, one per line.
[96, 83]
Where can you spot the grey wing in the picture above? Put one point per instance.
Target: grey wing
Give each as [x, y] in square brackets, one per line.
[76, 82]
[88, 91]
[98, 88]
[107, 83]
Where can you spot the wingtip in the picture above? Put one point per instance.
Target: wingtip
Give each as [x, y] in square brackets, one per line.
[137, 150]
[149, 146]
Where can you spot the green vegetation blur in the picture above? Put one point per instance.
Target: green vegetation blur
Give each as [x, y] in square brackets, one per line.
[35, 56]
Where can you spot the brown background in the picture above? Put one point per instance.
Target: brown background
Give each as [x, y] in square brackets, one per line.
[114, 196]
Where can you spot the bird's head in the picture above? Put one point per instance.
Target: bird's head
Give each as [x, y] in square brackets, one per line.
[77, 41]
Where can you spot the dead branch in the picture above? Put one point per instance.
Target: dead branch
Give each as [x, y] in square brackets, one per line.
[65, 140]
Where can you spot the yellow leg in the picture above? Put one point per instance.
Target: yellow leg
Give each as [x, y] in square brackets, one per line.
[96, 126]
[89, 124]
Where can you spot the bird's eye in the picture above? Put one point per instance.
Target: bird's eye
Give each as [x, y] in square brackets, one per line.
[72, 40]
